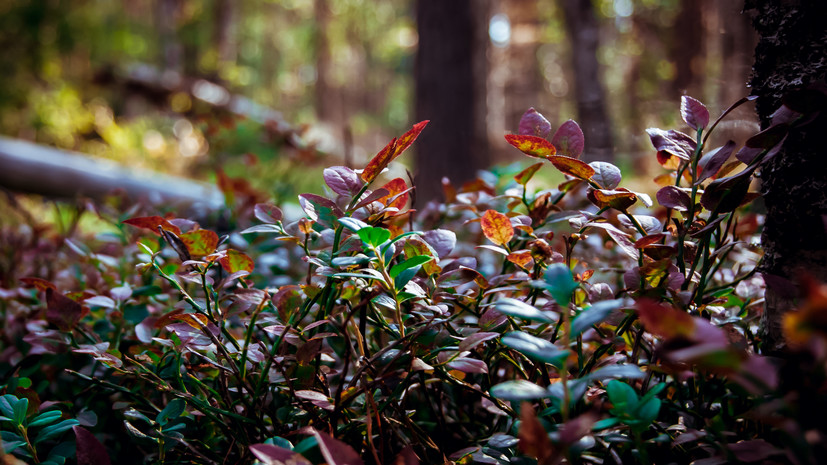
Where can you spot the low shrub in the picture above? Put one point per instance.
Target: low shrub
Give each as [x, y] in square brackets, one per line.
[509, 324]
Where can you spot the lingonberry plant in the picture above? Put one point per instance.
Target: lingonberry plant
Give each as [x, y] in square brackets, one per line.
[517, 324]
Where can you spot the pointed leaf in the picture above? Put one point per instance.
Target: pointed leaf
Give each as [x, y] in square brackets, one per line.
[476, 339]
[694, 113]
[713, 161]
[370, 197]
[532, 146]
[520, 309]
[572, 167]
[606, 174]
[674, 147]
[536, 348]
[569, 139]
[525, 175]
[397, 193]
[724, 195]
[468, 365]
[519, 389]
[391, 151]
[619, 199]
[152, 223]
[409, 263]
[533, 123]
[496, 227]
[593, 315]
[342, 180]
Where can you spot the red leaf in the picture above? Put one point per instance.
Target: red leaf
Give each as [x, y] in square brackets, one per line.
[235, 261]
[468, 365]
[62, 311]
[664, 321]
[396, 187]
[713, 161]
[200, 242]
[39, 283]
[152, 223]
[533, 123]
[572, 167]
[496, 227]
[89, 450]
[569, 139]
[620, 199]
[694, 112]
[391, 151]
[534, 440]
[674, 198]
[531, 145]
[336, 452]
[521, 258]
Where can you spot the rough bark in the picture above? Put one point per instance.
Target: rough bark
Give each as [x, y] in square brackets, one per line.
[584, 35]
[791, 53]
[450, 85]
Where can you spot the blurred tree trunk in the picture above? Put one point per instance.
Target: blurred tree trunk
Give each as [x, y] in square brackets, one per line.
[172, 51]
[323, 96]
[223, 32]
[791, 53]
[738, 40]
[524, 84]
[687, 51]
[584, 35]
[450, 89]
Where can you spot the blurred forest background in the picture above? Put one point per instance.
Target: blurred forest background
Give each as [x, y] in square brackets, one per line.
[270, 89]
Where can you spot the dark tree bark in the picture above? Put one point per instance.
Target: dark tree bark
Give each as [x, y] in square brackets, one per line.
[584, 35]
[324, 96]
[687, 49]
[450, 89]
[524, 84]
[791, 53]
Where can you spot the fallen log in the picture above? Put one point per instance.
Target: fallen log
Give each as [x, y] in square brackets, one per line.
[35, 169]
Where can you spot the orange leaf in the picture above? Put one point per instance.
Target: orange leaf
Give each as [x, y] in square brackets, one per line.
[497, 227]
[396, 187]
[152, 223]
[572, 167]
[620, 199]
[200, 242]
[532, 146]
[525, 175]
[521, 258]
[664, 321]
[391, 151]
[39, 283]
[235, 261]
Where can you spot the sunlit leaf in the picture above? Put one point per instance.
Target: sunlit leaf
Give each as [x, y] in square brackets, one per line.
[496, 227]
[152, 223]
[520, 309]
[619, 199]
[572, 167]
[606, 174]
[525, 175]
[391, 151]
[267, 213]
[342, 180]
[519, 390]
[235, 261]
[200, 242]
[560, 283]
[397, 194]
[536, 348]
[674, 198]
[531, 145]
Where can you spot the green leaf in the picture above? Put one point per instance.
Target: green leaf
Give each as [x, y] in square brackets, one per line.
[45, 418]
[54, 430]
[622, 396]
[519, 390]
[405, 276]
[172, 411]
[520, 309]
[560, 283]
[536, 348]
[20, 408]
[409, 263]
[647, 412]
[373, 236]
[7, 403]
[593, 315]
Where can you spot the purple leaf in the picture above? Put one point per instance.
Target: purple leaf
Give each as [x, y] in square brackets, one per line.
[89, 450]
[711, 163]
[62, 311]
[275, 455]
[476, 339]
[468, 365]
[569, 140]
[342, 180]
[674, 198]
[312, 204]
[267, 213]
[443, 241]
[694, 112]
[672, 142]
[534, 124]
[754, 450]
[606, 174]
[370, 197]
[336, 452]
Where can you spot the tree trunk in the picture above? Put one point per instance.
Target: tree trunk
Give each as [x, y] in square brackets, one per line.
[791, 53]
[524, 84]
[687, 50]
[172, 52]
[223, 33]
[450, 88]
[584, 35]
